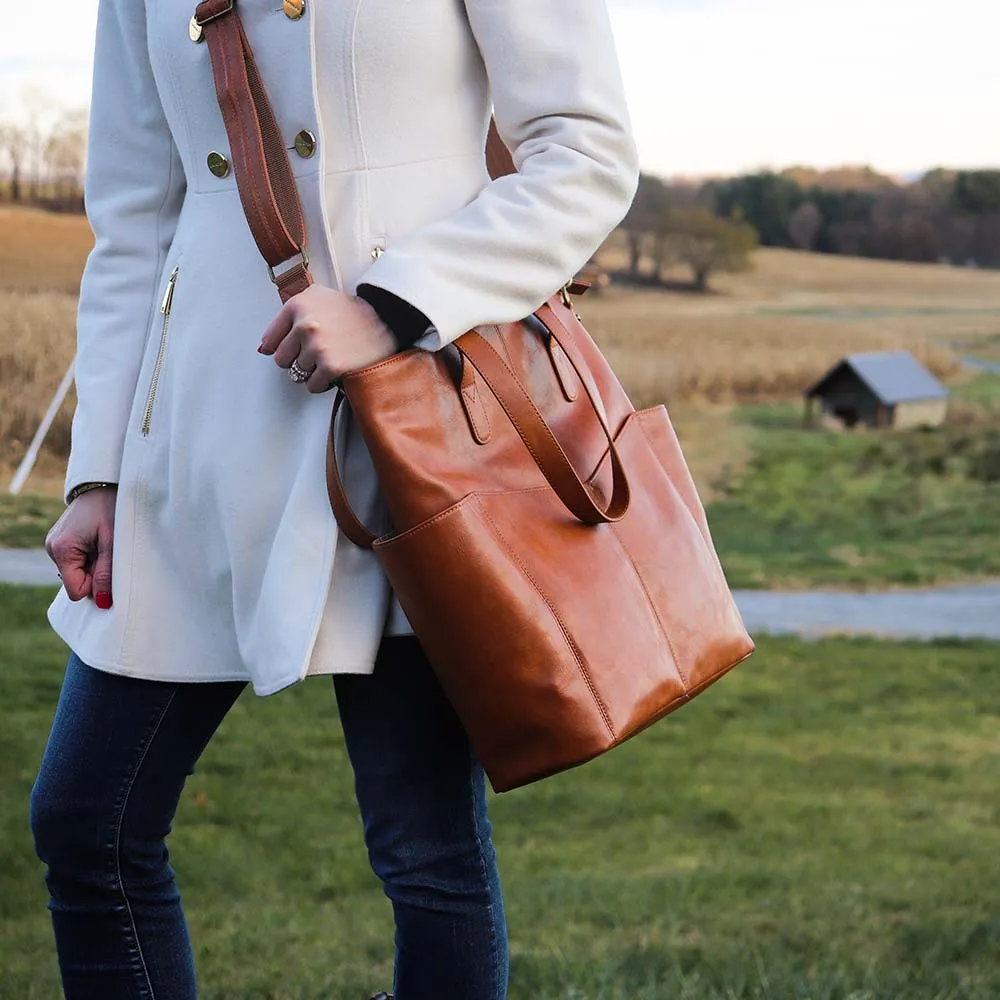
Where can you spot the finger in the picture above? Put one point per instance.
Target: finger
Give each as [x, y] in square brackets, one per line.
[277, 330]
[101, 585]
[73, 563]
[319, 375]
[290, 349]
[323, 379]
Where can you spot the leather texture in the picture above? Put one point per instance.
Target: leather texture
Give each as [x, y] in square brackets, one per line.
[559, 626]
[264, 175]
[548, 546]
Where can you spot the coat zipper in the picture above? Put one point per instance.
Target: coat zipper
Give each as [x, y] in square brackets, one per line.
[165, 306]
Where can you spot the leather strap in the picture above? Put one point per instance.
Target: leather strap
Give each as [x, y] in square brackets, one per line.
[349, 522]
[274, 213]
[263, 171]
[539, 439]
[499, 161]
[531, 428]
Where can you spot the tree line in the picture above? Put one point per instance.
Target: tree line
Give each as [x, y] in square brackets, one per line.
[42, 154]
[944, 216]
[951, 216]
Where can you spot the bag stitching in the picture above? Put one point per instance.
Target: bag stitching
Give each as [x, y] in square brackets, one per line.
[246, 137]
[706, 543]
[704, 532]
[504, 346]
[231, 75]
[555, 614]
[473, 396]
[653, 608]
[369, 369]
[634, 418]
[410, 532]
[552, 438]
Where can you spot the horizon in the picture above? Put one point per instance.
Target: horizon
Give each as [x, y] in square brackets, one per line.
[716, 88]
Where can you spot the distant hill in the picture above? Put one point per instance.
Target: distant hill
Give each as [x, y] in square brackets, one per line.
[847, 178]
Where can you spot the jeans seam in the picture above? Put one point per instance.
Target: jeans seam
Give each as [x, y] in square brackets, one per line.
[494, 950]
[116, 848]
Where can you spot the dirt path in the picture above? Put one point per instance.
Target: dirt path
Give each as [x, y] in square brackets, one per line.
[968, 611]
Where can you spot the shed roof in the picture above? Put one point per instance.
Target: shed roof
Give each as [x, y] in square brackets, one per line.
[893, 376]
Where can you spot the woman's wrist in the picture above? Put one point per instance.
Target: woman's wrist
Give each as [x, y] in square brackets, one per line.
[405, 321]
[81, 488]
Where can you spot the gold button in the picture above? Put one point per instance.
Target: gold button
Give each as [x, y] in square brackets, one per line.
[305, 144]
[377, 252]
[294, 9]
[195, 31]
[218, 164]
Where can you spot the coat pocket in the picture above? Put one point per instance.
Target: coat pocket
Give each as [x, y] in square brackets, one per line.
[165, 307]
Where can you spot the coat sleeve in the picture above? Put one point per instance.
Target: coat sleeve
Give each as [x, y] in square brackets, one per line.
[560, 108]
[134, 187]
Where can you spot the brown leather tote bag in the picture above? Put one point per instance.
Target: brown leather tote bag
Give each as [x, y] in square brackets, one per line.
[548, 546]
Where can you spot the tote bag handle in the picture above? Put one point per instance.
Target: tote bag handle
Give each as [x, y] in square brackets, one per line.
[531, 427]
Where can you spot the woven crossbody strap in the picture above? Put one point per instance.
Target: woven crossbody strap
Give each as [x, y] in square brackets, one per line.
[263, 171]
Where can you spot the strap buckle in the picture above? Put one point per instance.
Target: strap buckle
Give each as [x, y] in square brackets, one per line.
[304, 261]
[575, 286]
[216, 10]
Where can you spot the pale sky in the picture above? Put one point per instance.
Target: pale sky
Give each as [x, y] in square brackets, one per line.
[716, 86]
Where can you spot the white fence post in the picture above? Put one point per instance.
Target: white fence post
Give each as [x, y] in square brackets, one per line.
[28, 462]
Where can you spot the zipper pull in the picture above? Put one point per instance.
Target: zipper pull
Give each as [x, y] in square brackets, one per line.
[168, 296]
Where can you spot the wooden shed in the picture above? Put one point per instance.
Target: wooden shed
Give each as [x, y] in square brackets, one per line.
[878, 389]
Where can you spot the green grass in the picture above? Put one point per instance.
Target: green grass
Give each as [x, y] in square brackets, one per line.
[983, 390]
[26, 519]
[860, 510]
[824, 824]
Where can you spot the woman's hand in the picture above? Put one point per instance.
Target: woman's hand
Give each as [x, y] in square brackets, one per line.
[80, 544]
[328, 333]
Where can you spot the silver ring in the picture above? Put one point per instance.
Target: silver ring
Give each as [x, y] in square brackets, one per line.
[297, 373]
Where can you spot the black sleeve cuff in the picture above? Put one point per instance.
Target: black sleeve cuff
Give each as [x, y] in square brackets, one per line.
[407, 323]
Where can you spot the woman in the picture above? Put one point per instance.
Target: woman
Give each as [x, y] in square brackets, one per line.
[198, 552]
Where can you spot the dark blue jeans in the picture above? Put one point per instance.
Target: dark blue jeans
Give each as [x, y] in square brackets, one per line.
[117, 758]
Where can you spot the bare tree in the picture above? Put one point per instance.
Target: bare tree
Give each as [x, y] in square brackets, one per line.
[13, 143]
[65, 153]
[681, 200]
[40, 111]
[643, 218]
[804, 225]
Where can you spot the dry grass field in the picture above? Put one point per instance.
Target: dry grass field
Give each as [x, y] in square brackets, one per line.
[41, 260]
[762, 335]
[42, 252]
[770, 332]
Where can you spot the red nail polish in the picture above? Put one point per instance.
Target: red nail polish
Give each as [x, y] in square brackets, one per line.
[260, 350]
[103, 600]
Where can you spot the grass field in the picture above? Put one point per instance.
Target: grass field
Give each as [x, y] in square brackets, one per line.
[862, 510]
[25, 520]
[822, 825]
[772, 331]
[818, 508]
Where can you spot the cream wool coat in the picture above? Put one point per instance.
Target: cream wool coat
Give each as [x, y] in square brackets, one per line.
[227, 561]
